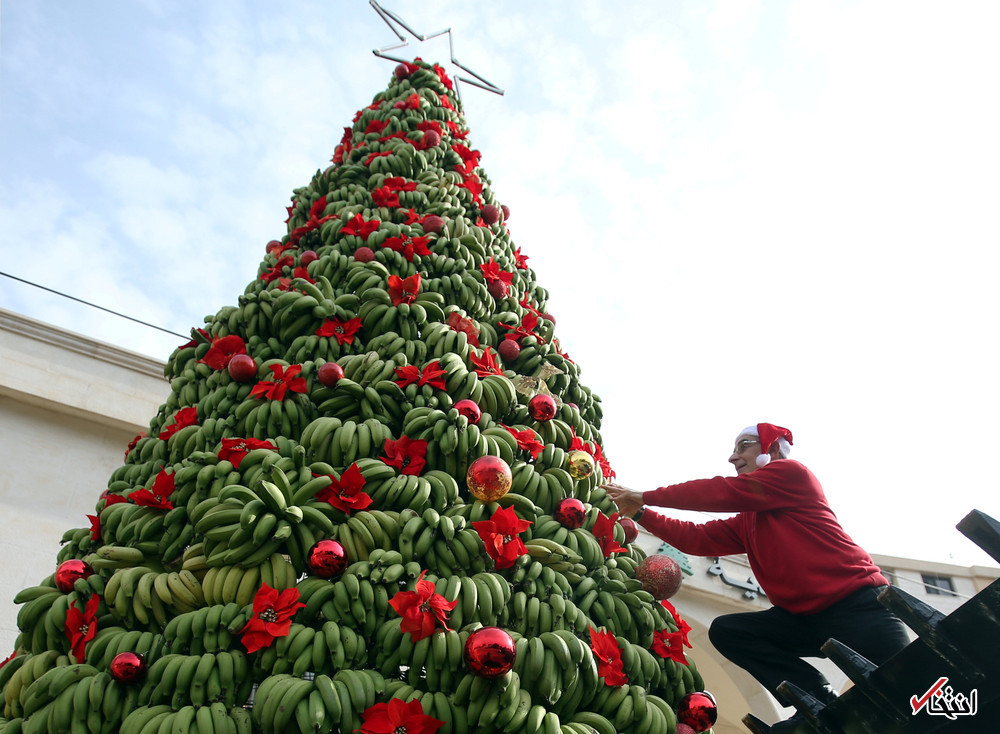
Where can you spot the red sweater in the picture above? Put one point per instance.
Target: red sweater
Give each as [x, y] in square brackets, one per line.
[799, 553]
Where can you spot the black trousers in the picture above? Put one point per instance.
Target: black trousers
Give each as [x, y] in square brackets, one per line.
[770, 644]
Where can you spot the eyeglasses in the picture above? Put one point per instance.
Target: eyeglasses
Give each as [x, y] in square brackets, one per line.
[743, 445]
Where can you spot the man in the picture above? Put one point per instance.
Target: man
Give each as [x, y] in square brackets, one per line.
[821, 583]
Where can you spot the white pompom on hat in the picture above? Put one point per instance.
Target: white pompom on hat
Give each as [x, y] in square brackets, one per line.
[768, 433]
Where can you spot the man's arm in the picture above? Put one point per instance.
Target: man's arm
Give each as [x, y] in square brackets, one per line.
[713, 538]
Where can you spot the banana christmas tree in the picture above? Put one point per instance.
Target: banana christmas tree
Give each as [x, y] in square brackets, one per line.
[372, 499]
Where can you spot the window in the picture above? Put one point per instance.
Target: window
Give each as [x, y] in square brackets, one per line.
[941, 585]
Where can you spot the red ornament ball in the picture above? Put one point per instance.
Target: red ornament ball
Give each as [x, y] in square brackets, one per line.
[401, 71]
[698, 710]
[660, 576]
[128, 667]
[488, 478]
[498, 289]
[329, 373]
[273, 245]
[630, 527]
[549, 317]
[433, 224]
[242, 367]
[490, 652]
[364, 254]
[469, 409]
[542, 407]
[508, 350]
[506, 211]
[431, 139]
[309, 256]
[69, 571]
[571, 513]
[327, 559]
[491, 214]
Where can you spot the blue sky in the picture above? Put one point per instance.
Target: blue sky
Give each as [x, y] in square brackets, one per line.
[778, 211]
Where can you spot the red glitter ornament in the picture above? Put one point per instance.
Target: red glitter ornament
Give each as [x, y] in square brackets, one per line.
[683, 728]
[364, 254]
[469, 409]
[660, 576]
[488, 478]
[491, 214]
[490, 652]
[698, 710]
[69, 571]
[542, 407]
[327, 559]
[571, 512]
[433, 224]
[508, 350]
[128, 667]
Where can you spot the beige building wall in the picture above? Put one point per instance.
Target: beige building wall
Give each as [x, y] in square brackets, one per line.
[69, 405]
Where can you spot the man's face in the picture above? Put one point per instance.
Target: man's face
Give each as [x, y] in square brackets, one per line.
[745, 453]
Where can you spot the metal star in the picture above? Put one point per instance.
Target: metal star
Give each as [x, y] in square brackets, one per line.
[392, 20]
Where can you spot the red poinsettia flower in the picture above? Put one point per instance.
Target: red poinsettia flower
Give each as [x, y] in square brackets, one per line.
[235, 449]
[222, 350]
[408, 246]
[156, 497]
[112, 498]
[412, 102]
[529, 322]
[8, 658]
[375, 126]
[373, 156]
[431, 374]
[528, 306]
[385, 197]
[606, 469]
[484, 363]
[398, 717]
[527, 440]
[421, 609]
[131, 444]
[425, 125]
[410, 216]
[682, 626]
[604, 531]
[291, 207]
[669, 645]
[459, 323]
[345, 493]
[284, 380]
[343, 331]
[475, 187]
[608, 656]
[95, 526]
[409, 455]
[443, 77]
[356, 225]
[272, 616]
[470, 158]
[520, 261]
[182, 419]
[277, 249]
[315, 221]
[455, 130]
[274, 272]
[404, 290]
[492, 272]
[500, 536]
[81, 626]
[446, 103]
[398, 183]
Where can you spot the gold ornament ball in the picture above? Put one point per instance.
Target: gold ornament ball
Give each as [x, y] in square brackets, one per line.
[488, 478]
[580, 464]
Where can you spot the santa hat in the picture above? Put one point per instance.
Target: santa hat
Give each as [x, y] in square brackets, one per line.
[768, 433]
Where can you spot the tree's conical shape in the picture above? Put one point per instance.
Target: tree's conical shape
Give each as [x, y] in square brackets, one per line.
[201, 556]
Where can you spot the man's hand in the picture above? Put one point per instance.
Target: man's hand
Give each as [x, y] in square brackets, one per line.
[628, 501]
